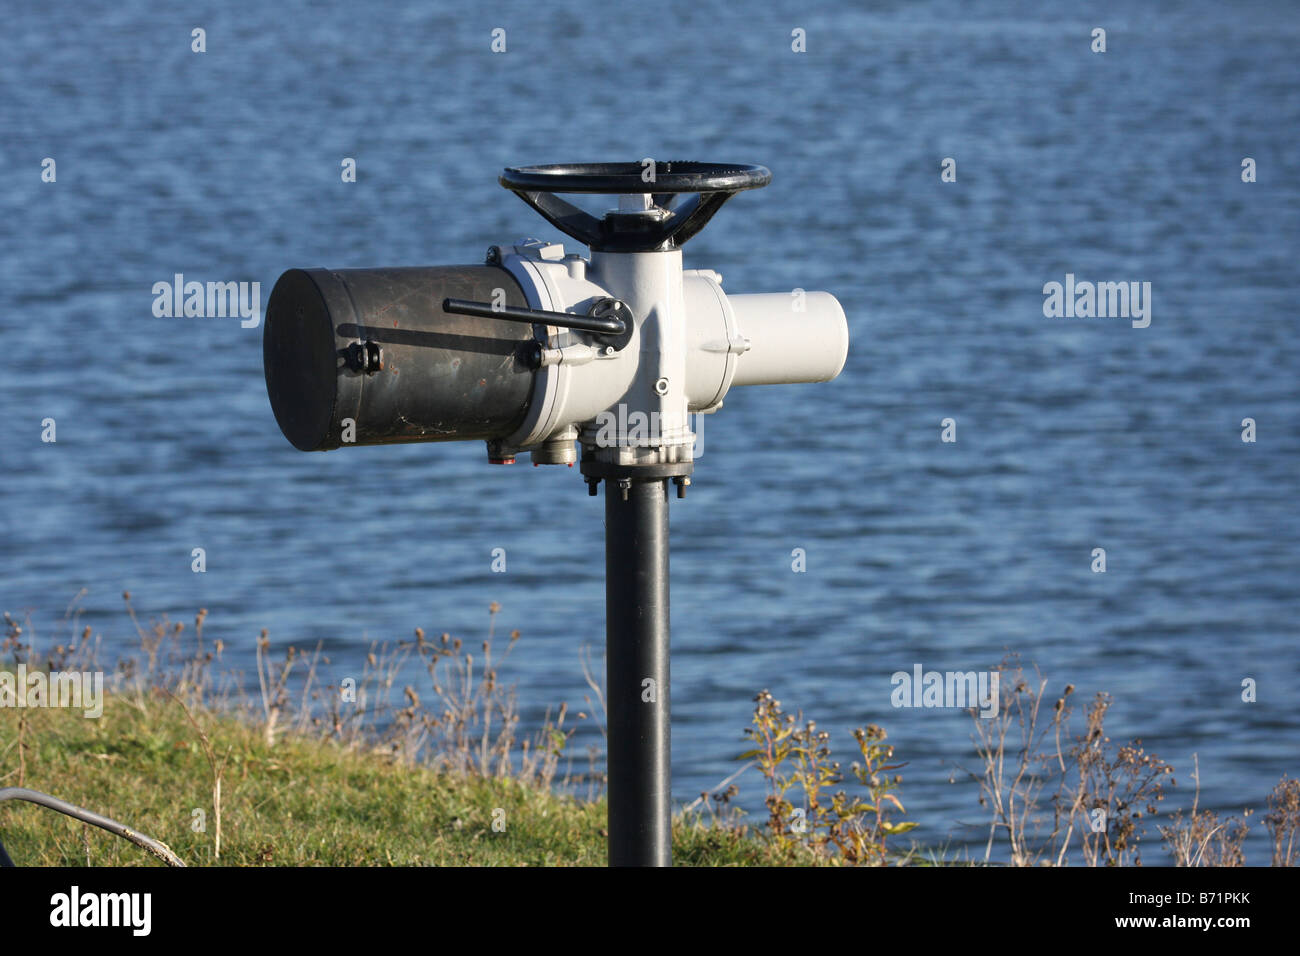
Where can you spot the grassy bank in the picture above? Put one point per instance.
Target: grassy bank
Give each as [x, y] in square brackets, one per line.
[302, 801]
[419, 758]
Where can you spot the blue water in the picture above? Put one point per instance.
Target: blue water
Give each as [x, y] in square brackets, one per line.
[1072, 433]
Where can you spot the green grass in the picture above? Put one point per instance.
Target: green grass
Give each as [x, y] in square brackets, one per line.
[301, 802]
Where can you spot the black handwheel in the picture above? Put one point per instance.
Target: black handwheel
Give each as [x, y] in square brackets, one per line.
[667, 225]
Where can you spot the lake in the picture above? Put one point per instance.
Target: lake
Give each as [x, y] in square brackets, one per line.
[1072, 434]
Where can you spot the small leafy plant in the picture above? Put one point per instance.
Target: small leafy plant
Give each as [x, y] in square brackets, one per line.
[795, 760]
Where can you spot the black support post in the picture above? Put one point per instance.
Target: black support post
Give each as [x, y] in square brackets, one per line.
[636, 672]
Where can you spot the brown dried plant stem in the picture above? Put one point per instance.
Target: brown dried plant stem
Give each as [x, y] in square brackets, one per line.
[218, 771]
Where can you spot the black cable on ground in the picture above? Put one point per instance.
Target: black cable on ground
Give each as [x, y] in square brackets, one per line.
[156, 847]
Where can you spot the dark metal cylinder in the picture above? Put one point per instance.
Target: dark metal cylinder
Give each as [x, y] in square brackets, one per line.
[636, 673]
[368, 356]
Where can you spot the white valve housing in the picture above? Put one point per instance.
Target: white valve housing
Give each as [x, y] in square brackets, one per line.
[627, 399]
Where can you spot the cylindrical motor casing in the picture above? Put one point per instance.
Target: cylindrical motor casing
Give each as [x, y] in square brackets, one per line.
[789, 343]
[442, 377]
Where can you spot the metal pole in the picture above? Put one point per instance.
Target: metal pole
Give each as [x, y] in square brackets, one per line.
[636, 672]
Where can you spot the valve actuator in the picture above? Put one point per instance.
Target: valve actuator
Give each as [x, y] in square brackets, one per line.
[543, 350]
[547, 351]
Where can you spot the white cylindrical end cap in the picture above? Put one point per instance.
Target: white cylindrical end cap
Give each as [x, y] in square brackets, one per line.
[791, 339]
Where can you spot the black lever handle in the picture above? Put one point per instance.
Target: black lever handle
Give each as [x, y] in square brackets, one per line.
[604, 325]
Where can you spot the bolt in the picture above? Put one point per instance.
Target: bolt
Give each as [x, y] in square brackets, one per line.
[592, 485]
[364, 357]
[682, 482]
[661, 386]
[609, 350]
[625, 487]
[493, 256]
